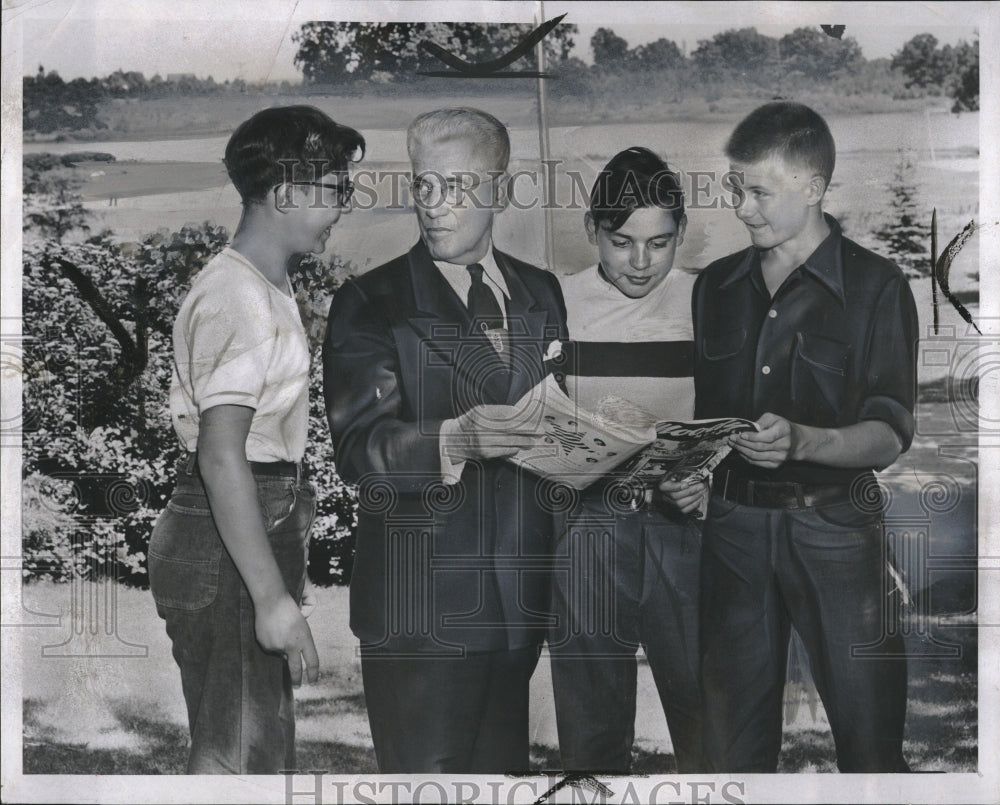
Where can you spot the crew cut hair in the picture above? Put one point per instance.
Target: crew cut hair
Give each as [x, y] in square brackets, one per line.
[288, 144]
[791, 131]
[462, 123]
[634, 178]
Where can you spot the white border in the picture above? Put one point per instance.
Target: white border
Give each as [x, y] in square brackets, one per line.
[945, 788]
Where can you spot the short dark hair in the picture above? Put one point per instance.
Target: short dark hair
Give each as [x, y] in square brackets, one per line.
[634, 178]
[288, 144]
[788, 130]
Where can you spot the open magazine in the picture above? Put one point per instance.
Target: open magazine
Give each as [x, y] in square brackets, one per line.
[620, 441]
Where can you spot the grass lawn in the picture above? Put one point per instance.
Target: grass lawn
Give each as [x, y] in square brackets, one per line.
[103, 700]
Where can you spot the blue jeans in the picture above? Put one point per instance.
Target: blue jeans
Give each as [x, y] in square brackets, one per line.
[821, 570]
[239, 697]
[627, 579]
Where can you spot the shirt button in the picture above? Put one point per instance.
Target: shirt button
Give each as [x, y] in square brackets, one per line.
[765, 370]
[772, 313]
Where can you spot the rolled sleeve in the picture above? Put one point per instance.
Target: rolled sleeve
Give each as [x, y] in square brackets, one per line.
[230, 349]
[891, 361]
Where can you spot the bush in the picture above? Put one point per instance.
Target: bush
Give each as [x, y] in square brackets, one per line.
[99, 452]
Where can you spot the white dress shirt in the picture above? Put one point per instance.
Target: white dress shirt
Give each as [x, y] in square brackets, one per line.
[460, 280]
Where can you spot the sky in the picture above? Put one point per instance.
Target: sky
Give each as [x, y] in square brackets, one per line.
[88, 38]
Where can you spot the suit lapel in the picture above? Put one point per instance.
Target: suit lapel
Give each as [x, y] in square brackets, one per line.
[526, 325]
[438, 308]
[443, 319]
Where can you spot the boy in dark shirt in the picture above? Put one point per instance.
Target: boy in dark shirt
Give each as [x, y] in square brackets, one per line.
[812, 336]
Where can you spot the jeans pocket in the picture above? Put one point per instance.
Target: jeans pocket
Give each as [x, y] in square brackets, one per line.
[845, 516]
[277, 501]
[719, 508]
[288, 511]
[837, 526]
[185, 553]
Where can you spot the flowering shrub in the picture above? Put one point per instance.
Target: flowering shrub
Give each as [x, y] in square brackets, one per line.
[99, 447]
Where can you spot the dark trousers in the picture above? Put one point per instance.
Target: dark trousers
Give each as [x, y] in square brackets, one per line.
[822, 570]
[460, 715]
[626, 579]
[239, 697]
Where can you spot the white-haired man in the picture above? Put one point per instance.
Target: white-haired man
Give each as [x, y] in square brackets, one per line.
[422, 360]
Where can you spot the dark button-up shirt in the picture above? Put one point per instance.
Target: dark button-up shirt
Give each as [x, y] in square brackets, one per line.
[835, 346]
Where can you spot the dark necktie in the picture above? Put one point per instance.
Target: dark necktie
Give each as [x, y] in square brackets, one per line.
[485, 311]
[482, 301]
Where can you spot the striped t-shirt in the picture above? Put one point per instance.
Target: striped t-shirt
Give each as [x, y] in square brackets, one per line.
[641, 350]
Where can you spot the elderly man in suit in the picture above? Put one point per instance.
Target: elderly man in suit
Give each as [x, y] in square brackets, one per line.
[423, 359]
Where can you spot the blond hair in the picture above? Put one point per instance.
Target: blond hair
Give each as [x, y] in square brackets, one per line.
[465, 123]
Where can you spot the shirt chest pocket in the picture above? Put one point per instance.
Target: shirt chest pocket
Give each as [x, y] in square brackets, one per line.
[819, 374]
[719, 346]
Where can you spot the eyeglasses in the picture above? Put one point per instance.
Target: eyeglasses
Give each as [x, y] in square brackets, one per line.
[452, 189]
[343, 189]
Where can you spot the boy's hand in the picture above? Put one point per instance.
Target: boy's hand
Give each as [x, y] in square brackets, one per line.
[308, 599]
[769, 447]
[686, 496]
[488, 431]
[280, 627]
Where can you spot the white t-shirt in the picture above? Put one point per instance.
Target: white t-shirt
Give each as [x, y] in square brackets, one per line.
[239, 340]
[598, 312]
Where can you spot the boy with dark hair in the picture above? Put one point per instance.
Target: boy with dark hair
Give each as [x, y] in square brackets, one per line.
[629, 569]
[227, 557]
[814, 337]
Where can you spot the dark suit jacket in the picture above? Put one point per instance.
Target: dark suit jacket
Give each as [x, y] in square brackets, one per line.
[437, 568]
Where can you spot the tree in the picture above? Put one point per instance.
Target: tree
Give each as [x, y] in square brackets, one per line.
[965, 89]
[953, 70]
[921, 62]
[742, 53]
[329, 52]
[663, 54]
[816, 55]
[610, 50]
[50, 104]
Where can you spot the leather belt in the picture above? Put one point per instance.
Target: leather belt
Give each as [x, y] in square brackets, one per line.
[266, 469]
[280, 469]
[777, 494]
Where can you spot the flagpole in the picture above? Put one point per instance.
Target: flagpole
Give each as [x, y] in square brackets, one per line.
[543, 144]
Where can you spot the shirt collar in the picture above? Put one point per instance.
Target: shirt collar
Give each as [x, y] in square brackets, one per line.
[825, 264]
[490, 269]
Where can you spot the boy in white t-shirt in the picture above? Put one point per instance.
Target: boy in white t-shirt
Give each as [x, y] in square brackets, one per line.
[227, 558]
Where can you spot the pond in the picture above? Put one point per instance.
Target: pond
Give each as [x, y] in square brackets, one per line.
[889, 166]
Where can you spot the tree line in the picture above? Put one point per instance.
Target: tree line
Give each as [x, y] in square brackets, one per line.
[53, 104]
[353, 56]
[335, 52]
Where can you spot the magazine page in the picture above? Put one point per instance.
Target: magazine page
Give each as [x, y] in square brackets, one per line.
[578, 447]
[684, 450]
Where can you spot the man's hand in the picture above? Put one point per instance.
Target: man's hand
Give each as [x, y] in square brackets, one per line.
[687, 496]
[281, 627]
[488, 431]
[769, 447]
